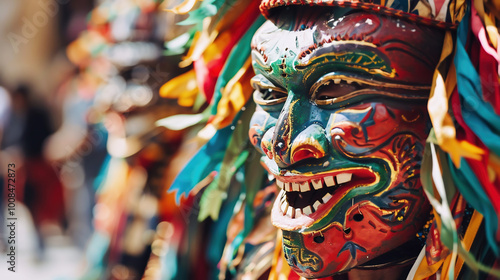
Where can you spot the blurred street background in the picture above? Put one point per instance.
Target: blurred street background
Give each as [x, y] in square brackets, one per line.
[79, 97]
[34, 66]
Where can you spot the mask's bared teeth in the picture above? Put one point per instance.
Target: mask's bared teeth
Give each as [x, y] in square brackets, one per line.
[297, 213]
[295, 187]
[326, 197]
[282, 196]
[307, 210]
[290, 211]
[279, 183]
[337, 81]
[284, 207]
[305, 187]
[329, 181]
[288, 187]
[343, 178]
[316, 205]
[317, 184]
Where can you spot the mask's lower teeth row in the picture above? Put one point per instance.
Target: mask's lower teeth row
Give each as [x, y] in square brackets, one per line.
[297, 211]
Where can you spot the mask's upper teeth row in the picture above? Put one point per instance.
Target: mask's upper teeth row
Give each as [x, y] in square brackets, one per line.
[316, 184]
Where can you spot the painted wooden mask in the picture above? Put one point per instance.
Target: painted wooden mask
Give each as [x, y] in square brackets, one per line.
[341, 122]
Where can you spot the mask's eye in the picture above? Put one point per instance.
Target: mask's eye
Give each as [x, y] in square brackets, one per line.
[266, 93]
[271, 94]
[341, 91]
[333, 89]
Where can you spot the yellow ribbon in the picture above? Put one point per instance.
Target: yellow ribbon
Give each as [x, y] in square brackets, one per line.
[470, 234]
[278, 259]
[184, 7]
[234, 96]
[438, 111]
[183, 88]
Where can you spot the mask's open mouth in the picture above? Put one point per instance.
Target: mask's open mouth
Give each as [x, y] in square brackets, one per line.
[305, 199]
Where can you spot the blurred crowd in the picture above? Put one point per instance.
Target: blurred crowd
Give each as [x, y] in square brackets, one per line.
[79, 101]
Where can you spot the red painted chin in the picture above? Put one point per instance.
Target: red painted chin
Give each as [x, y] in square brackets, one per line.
[363, 240]
[303, 218]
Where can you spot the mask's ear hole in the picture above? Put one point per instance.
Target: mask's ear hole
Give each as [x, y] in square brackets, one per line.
[319, 239]
[358, 217]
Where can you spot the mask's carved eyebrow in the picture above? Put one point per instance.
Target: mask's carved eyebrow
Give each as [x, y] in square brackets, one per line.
[260, 58]
[261, 81]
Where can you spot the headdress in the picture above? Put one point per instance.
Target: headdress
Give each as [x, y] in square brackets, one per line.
[441, 13]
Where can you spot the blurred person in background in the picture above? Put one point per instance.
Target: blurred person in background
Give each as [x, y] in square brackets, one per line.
[28, 127]
[5, 106]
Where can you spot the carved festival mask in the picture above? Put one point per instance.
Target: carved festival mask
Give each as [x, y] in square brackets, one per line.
[341, 122]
